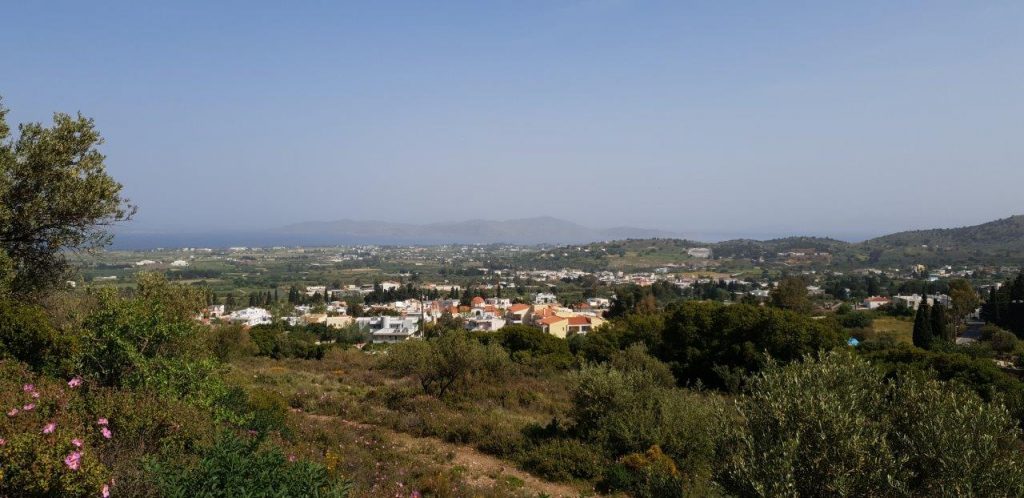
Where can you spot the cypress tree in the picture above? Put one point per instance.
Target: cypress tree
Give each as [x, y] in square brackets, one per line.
[941, 329]
[923, 325]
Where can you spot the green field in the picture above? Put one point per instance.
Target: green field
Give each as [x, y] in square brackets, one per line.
[898, 330]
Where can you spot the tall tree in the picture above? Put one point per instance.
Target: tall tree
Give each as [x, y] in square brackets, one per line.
[55, 197]
[791, 294]
[923, 325]
[939, 325]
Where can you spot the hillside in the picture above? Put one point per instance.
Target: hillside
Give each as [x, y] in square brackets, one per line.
[995, 242]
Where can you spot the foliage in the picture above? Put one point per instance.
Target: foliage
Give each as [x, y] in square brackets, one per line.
[526, 344]
[625, 412]
[147, 340]
[278, 342]
[55, 196]
[448, 362]
[26, 335]
[234, 466]
[791, 294]
[835, 426]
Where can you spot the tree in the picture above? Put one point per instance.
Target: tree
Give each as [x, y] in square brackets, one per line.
[55, 196]
[791, 294]
[963, 300]
[922, 335]
[447, 362]
[940, 327]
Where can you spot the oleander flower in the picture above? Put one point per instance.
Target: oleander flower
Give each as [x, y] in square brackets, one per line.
[12, 412]
[3, 442]
[102, 421]
[73, 460]
[35, 394]
[105, 492]
[29, 407]
[106, 432]
[49, 428]
[77, 442]
[75, 382]
[28, 388]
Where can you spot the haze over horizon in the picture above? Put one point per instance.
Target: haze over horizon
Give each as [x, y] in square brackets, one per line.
[835, 120]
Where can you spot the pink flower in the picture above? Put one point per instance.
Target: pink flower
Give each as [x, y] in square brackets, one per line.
[73, 460]
[102, 421]
[28, 388]
[49, 428]
[75, 382]
[291, 458]
[415, 494]
[77, 442]
[3, 442]
[28, 407]
[105, 492]
[12, 412]
[106, 432]
[35, 394]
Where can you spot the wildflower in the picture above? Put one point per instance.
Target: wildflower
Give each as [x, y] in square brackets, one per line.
[292, 458]
[3, 442]
[29, 407]
[49, 428]
[28, 388]
[415, 494]
[106, 432]
[75, 382]
[102, 421]
[77, 442]
[105, 492]
[35, 394]
[73, 460]
[12, 412]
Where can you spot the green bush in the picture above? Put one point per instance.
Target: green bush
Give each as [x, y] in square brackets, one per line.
[233, 466]
[564, 460]
[837, 427]
[27, 336]
[268, 409]
[627, 412]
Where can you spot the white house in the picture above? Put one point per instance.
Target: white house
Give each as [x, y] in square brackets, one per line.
[545, 298]
[389, 329]
[389, 285]
[251, 316]
[179, 263]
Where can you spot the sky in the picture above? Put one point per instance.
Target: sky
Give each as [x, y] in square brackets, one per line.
[847, 119]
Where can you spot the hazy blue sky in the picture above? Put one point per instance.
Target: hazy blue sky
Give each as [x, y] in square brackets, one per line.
[843, 118]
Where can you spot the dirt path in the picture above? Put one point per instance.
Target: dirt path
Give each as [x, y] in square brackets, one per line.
[480, 469]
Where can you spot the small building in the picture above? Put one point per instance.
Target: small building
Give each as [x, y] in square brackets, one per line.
[875, 302]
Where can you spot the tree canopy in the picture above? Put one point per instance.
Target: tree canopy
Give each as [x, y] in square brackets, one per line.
[55, 196]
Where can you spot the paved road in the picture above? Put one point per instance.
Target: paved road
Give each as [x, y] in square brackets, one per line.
[973, 331]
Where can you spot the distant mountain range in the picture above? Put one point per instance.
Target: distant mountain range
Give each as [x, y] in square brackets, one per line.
[1000, 240]
[525, 231]
[542, 230]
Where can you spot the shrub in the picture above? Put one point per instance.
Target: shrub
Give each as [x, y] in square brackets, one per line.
[447, 362]
[27, 336]
[627, 412]
[233, 466]
[836, 427]
[564, 459]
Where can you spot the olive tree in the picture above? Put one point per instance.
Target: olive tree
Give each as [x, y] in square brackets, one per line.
[55, 196]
